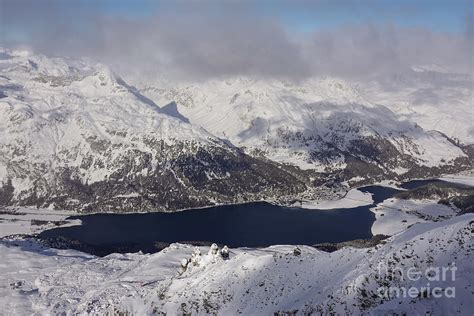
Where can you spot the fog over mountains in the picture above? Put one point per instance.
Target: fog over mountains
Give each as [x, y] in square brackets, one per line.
[214, 40]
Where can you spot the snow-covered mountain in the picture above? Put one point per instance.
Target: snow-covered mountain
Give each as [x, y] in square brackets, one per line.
[326, 125]
[278, 279]
[75, 135]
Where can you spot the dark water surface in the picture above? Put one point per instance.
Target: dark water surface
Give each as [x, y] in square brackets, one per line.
[243, 225]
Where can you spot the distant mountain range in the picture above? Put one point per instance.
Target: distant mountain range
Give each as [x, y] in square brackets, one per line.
[74, 135]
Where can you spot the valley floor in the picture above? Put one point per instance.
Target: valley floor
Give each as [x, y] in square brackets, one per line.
[26, 220]
[353, 198]
[394, 215]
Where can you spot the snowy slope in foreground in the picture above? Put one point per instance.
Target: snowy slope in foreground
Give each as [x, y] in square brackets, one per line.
[258, 281]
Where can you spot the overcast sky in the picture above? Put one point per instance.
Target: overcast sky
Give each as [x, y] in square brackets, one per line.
[277, 39]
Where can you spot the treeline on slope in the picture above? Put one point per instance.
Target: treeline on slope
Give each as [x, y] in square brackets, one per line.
[461, 196]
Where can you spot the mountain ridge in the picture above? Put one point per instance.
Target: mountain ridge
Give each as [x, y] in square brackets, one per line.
[75, 135]
[88, 142]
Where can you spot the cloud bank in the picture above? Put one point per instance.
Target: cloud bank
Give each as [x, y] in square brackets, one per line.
[202, 40]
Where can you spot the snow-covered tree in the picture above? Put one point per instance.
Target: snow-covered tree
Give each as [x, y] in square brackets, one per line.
[225, 252]
[196, 256]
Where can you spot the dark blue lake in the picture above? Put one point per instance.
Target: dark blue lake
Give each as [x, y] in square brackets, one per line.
[243, 225]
